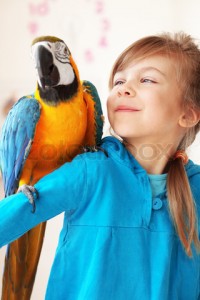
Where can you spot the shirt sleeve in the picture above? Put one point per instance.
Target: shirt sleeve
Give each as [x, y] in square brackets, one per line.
[60, 191]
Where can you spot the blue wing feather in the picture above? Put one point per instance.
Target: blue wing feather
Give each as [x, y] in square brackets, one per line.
[98, 109]
[15, 142]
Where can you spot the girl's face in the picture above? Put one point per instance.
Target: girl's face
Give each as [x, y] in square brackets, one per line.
[145, 102]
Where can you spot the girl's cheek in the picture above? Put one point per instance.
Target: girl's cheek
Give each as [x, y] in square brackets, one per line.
[108, 101]
[109, 106]
[111, 97]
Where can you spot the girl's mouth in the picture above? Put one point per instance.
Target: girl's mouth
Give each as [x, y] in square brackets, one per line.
[125, 108]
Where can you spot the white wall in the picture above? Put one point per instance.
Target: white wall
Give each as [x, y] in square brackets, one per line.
[96, 31]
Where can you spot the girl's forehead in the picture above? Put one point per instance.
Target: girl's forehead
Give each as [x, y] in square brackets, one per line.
[156, 62]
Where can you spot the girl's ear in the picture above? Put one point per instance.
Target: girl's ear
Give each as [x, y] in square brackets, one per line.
[189, 118]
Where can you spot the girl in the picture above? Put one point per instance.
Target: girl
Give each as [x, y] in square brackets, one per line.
[131, 223]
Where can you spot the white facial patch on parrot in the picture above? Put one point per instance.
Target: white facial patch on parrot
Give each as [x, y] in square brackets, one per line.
[61, 59]
[34, 56]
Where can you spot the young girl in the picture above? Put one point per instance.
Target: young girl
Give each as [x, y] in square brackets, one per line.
[131, 216]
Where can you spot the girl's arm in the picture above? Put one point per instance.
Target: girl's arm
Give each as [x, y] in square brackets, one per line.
[62, 190]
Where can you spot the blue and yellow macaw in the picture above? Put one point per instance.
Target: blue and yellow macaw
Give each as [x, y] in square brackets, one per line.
[42, 131]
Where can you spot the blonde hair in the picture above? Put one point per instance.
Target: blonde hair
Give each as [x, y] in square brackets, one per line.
[183, 49]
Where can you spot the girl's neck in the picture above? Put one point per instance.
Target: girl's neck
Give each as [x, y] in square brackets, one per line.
[153, 157]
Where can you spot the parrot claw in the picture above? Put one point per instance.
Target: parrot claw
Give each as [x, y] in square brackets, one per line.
[94, 149]
[29, 192]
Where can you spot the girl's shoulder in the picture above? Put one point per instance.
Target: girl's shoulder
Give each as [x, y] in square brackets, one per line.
[108, 148]
[193, 172]
[112, 151]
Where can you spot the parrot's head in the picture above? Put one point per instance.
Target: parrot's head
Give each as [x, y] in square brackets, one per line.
[57, 74]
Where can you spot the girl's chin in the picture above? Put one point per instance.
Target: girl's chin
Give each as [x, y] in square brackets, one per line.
[125, 134]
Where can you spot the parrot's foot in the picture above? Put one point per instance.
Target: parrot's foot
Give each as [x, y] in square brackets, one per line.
[31, 193]
[94, 149]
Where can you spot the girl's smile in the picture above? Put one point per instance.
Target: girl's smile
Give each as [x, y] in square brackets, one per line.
[126, 108]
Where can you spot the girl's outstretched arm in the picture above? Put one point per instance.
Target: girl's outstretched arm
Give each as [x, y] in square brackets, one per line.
[62, 190]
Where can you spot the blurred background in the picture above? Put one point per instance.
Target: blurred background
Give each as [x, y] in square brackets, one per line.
[96, 31]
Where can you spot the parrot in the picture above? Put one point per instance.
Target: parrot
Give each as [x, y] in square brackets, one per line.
[41, 132]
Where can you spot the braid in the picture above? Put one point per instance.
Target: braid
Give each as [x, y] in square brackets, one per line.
[182, 205]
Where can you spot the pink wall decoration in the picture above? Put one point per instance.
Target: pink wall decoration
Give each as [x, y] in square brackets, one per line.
[36, 11]
[100, 12]
[40, 13]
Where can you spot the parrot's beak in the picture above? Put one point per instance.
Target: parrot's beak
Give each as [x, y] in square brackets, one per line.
[48, 75]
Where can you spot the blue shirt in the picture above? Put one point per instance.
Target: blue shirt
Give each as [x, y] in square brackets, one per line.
[114, 244]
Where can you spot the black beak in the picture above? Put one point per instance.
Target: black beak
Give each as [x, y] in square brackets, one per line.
[47, 71]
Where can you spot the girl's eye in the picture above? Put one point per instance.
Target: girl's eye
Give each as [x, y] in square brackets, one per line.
[147, 80]
[118, 82]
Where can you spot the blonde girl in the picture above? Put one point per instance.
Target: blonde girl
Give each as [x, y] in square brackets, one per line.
[179, 56]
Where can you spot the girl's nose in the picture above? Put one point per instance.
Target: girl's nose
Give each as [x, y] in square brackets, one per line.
[124, 90]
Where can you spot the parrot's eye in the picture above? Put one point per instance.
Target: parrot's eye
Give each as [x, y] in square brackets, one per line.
[65, 51]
